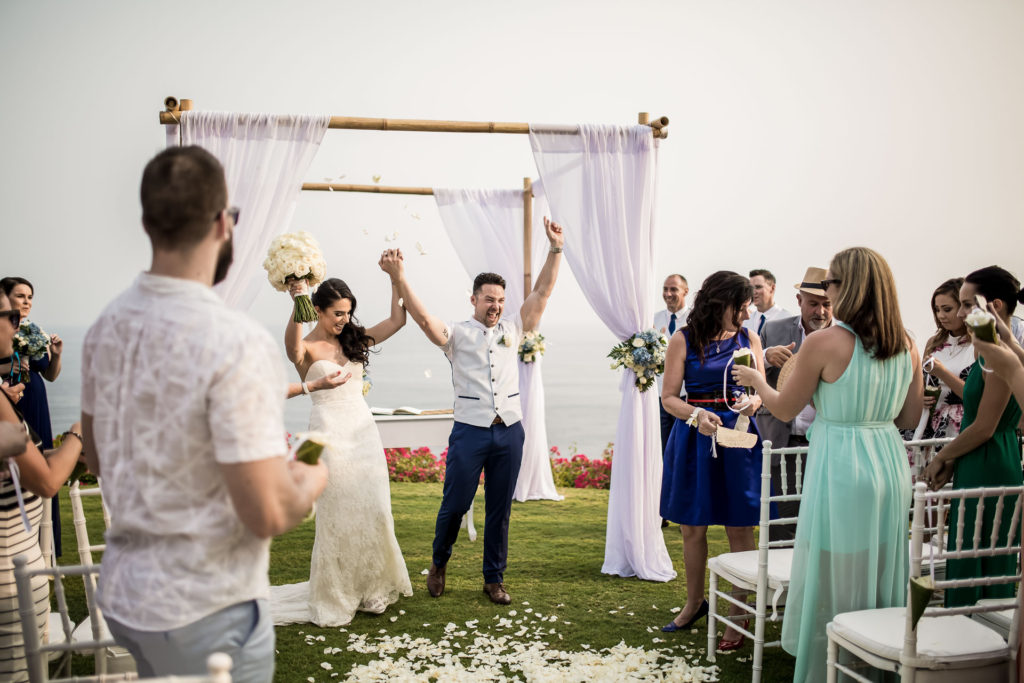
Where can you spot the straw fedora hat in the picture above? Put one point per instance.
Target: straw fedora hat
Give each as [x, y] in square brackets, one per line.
[812, 282]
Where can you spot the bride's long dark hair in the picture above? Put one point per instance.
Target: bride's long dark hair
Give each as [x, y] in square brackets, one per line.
[355, 343]
[719, 291]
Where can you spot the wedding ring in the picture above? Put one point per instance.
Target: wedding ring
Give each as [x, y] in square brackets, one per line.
[21, 394]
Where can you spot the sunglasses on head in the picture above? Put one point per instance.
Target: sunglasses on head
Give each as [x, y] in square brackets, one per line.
[13, 316]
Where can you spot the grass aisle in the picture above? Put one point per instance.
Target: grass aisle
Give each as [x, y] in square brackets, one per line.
[555, 554]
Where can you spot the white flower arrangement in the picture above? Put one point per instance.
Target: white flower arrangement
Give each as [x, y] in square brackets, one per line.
[643, 354]
[531, 347]
[296, 256]
[505, 340]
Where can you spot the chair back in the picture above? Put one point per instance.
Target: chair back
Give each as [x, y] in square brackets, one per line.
[1000, 541]
[768, 497]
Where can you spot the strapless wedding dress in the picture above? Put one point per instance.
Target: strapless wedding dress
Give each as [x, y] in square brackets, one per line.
[357, 564]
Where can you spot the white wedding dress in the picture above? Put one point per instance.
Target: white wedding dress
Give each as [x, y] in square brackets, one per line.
[357, 564]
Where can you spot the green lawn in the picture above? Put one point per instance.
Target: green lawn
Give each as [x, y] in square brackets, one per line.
[555, 555]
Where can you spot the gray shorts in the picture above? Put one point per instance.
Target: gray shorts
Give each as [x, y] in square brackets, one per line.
[244, 631]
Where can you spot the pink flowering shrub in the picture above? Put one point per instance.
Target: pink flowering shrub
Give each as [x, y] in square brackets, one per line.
[581, 472]
[405, 464]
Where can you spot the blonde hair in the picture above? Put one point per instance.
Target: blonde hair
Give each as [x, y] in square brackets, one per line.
[867, 301]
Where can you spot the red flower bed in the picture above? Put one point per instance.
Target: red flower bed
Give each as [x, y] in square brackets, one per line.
[405, 464]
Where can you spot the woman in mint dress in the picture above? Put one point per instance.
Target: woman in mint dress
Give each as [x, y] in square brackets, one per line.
[986, 452]
[865, 379]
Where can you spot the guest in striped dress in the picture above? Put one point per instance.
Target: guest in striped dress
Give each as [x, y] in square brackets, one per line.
[40, 478]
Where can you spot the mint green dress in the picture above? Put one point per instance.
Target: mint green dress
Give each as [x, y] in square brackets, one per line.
[851, 538]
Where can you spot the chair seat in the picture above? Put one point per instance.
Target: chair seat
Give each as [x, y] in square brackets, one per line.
[997, 621]
[743, 567]
[83, 632]
[942, 640]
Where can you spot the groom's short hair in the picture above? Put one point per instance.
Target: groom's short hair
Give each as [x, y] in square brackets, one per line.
[183, 190]
[487, 279]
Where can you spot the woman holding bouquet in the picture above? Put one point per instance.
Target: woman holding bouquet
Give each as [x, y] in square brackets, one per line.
[356, 564]
[31, 372]
[864, 376]
[40, 477]
[704, 484]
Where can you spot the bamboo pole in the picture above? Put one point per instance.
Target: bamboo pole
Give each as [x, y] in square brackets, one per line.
[170, 117]
[376, 189]
[527, 237]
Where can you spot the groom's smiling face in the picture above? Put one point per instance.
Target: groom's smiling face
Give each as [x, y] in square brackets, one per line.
[488, 304]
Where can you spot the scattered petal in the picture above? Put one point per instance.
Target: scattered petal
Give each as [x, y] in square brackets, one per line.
[425, 572]
[419, 248]
[376, 178]
[326, 666]
[394, 619]
[427, 373]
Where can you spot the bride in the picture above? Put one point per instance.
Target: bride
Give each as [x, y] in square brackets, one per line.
[357, 564]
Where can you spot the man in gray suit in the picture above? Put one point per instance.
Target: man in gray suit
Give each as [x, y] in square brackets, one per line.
[781, 340]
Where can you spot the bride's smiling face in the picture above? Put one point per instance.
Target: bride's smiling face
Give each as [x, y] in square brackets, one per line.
[336, 316]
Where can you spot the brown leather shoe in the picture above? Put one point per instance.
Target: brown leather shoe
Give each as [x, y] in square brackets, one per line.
[435, 580]
[497, 593]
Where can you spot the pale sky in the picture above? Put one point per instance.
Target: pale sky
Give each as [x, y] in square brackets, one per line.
[798, 128]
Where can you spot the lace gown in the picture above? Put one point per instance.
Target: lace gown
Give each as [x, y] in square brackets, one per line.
[357, 564]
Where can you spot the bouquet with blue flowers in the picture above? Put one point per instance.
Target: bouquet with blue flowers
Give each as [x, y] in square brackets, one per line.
[644, 354]
[531, 346]
[30, 342]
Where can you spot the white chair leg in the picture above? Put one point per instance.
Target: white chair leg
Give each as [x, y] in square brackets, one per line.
[712, 614]
[759, 625]
[468, 520]
[830, 661]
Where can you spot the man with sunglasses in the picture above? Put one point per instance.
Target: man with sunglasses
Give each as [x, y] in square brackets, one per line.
[183, 416]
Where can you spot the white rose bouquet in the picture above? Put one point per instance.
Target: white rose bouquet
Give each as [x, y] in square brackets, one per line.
[531, 347]
[644, 354]
[296, 256]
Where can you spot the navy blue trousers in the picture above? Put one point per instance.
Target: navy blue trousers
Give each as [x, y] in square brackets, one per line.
[497, 451]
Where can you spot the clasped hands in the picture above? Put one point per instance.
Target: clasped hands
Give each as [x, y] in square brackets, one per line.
[938, 472]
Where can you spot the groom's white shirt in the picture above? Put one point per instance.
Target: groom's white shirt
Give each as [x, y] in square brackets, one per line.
[485, 370]
[179, 384]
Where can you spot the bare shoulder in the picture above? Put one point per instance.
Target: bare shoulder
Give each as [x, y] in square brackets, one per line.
[830, 340]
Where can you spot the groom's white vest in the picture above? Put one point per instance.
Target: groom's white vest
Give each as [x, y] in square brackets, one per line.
[485, 371]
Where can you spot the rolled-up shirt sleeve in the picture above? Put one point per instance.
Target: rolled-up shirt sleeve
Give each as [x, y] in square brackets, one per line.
[246, 405]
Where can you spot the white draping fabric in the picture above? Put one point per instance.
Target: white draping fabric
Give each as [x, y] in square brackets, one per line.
[486, 229]
[600, 183]
[265, 157]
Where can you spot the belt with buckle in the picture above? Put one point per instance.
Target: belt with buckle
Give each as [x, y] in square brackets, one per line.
[497, 421]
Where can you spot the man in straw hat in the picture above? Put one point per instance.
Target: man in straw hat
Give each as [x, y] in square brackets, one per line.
[781, 340]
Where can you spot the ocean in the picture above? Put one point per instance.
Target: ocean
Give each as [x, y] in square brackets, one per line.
[581, 392]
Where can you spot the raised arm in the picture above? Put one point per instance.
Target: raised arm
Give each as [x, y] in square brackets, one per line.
[537, 301]
[434, 328]
[396, 321]
[294, 346]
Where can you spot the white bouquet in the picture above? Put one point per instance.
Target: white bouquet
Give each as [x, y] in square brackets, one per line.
[296, 256]
[531, 347]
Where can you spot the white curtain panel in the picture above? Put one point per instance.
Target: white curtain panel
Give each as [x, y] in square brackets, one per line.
[265, 158]
[600, 183]
[486, 229]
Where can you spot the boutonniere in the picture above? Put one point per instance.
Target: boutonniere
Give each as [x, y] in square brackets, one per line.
[505, 340]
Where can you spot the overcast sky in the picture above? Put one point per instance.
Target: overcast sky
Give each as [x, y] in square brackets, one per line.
[798, 127]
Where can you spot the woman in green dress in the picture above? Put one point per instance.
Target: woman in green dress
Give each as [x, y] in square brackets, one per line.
[986, 452]
[865, 379]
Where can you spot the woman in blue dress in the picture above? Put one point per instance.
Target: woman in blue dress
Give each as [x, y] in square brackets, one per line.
[704, 484]
[33, 404]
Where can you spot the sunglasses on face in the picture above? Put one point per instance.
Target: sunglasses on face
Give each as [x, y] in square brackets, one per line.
[234, 212]
[13, 316]
[825, 283]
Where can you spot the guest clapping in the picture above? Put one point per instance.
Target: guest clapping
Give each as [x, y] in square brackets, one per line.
[864, 375]
[702, 485]
[986, 452]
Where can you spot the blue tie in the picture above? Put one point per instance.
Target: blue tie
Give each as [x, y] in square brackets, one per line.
[760, 324]
[672, 325]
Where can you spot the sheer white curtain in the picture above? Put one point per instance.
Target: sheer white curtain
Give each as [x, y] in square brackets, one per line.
[265, 157]
[486, 229]
[600, 183]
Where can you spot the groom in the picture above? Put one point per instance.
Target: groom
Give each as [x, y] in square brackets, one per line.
[488, 432]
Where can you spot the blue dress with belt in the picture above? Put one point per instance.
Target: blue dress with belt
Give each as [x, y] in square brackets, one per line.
[699, 486]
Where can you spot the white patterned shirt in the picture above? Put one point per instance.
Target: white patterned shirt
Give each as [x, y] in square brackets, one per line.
[177, 384]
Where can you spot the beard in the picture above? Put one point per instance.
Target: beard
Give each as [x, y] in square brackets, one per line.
[224, 259]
